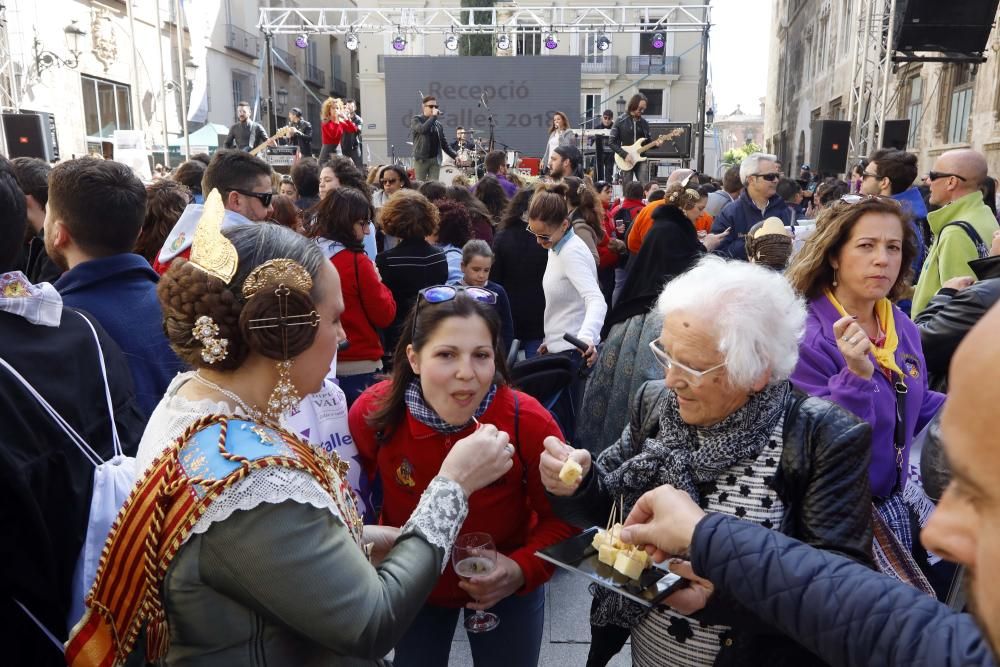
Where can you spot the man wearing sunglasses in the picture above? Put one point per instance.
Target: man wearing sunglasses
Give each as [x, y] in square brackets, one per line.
[429, 141]
[759, 173]
[244, 181]
[954, 184]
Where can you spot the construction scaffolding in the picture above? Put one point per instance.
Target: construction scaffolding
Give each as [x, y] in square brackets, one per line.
[870, 70]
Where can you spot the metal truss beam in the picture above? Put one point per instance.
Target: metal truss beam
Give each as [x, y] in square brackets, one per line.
[666, 17]
[9, 94]
[871, 66]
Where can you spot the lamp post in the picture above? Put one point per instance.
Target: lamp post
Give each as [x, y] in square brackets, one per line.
[620, 106]
[44, 59]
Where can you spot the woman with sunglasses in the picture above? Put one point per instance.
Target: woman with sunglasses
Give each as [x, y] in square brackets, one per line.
[451, 379]
[725, 426]
[863, 354]
[343, 220]
[390, 180]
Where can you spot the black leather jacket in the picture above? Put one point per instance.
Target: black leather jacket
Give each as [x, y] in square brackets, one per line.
[428, 138]
[822, 480]
[951, 313]
[626, 131]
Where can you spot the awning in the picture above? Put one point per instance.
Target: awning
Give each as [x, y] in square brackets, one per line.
[206, 136]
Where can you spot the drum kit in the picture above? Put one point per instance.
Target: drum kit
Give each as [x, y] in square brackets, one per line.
[469, 162]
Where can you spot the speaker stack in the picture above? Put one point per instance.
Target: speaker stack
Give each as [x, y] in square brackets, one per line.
[955, 28]
[30, 135]
[829, 146]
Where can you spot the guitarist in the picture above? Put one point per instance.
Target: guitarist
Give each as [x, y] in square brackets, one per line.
[629, 129]
[245, 134]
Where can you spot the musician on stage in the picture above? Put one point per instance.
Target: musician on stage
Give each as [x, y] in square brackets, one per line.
[301, 136]
[604, 157]
[461, 141]
[245, 134]
[630, 128]
[428, 141]
[351, 144]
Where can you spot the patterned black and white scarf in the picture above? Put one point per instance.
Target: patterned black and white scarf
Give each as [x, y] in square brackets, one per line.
[425, 414]
[688, 458]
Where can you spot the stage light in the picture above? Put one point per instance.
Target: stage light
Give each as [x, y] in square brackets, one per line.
[398, 42]
[302, 41]
[551, 40]
[503, 42]
[603, 42]
[351, 41]
[658, 41]
[451, 41]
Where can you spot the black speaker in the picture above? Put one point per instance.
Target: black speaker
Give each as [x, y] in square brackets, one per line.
[895, 133]
[676, 147]
[26, 136]
[947, 27]
[829, 146]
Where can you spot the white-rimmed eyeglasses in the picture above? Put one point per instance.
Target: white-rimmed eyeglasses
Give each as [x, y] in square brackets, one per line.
[694, 377]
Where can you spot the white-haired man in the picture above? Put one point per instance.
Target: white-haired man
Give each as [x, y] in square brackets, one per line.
[760, 174]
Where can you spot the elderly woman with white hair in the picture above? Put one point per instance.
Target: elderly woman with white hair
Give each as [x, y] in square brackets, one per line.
[726, 426]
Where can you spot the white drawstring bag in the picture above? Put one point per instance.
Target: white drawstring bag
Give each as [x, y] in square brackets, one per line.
[113, 481]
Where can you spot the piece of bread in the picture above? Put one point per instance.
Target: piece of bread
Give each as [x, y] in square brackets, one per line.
[571, 471]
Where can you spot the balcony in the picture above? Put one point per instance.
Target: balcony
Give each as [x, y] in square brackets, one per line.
[240, 40]
[600, 64]
[670, 65]
[315, 75]
[285, 61]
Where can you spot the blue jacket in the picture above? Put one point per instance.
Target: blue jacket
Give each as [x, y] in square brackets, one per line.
[913, 203]
[120, 291]
[834, 607]
[739, 216]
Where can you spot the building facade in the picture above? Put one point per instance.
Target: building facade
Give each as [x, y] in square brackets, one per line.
[117, 65]
[949, 105]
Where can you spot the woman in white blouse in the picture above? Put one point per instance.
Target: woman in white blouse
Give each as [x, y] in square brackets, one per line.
[560, 134]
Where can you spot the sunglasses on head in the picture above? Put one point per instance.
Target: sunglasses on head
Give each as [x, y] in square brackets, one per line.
[935, 175]
[442, 293]
[857, 199]
[770, 178]
[264, 197]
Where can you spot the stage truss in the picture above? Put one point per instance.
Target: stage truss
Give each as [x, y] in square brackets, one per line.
[497, 20]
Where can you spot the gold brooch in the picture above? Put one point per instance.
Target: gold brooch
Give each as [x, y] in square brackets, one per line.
[205, 331]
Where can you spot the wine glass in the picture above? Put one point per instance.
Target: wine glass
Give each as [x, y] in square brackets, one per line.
[475, 554]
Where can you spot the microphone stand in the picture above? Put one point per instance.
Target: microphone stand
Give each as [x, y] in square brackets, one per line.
[491, 144]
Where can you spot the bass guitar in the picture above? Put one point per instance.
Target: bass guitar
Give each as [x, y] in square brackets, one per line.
[636, 150]
[283, 133]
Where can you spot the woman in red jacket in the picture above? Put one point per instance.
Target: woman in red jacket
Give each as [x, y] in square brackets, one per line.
[335, 122]
[451, 376]
[343, 219]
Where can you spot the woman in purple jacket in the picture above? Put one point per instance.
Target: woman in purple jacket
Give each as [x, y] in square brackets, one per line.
[864, 354]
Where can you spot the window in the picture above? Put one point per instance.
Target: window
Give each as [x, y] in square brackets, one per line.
[592, 106]
[845, 25]
[654, 101]
[961, 105]
[588, 49]
[837, 109]
[529, 41]
[106, 107]
[243, 88]
[915, 108]
[646, 42]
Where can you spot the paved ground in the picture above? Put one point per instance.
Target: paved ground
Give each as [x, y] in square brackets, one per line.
[566, 637]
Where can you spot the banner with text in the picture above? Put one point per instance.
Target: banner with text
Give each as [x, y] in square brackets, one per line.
[521, 94]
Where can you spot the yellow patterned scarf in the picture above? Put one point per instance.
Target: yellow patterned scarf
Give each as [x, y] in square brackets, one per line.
[885, 355]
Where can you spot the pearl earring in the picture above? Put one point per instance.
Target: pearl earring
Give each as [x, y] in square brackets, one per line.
[835, 277]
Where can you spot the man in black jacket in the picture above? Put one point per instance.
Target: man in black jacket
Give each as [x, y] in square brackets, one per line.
[630, 128]
[428, 142]
[45, 480]
[842, 611]
[302, 132]
[350, 142]
[245, 134]
[954, 310]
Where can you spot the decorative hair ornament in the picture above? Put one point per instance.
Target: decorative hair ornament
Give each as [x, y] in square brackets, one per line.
[277, 272]
[210, 250]
[205, 331]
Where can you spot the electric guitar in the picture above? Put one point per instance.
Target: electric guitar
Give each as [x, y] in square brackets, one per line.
[636, 150]
[283, 133]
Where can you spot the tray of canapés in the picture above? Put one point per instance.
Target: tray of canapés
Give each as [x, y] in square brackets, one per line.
[600, 555]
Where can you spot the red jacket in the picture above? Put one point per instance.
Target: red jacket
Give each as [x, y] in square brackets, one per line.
[514, 509]
[608, 257]
[333, 131]
[367, 306]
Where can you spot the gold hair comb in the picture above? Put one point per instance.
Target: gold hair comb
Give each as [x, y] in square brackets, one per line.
[212, 252]
[277, 272]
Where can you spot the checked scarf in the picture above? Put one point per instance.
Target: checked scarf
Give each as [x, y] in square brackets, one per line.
[425, 414]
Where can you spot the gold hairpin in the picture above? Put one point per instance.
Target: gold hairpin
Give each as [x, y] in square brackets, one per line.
[212, 252]
[277, 272]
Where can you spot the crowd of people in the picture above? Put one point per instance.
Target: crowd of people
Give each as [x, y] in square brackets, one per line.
[318, 382]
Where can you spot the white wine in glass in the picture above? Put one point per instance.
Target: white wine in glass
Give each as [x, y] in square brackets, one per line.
[475, 554]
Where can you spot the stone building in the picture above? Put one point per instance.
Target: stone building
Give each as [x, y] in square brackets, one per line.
[810, 55]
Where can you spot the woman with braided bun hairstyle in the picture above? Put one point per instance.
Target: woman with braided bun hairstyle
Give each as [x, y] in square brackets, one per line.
[240, 539]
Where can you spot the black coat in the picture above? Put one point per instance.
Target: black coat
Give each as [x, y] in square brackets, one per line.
[670, 247]
[428, 138]
[406, 269]
[626, 131]
[951, 313]
[45, 481]
[518, 266]
[846, 613]
[822, 481]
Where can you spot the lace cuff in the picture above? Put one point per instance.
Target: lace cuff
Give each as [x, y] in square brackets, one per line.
[439, 515]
